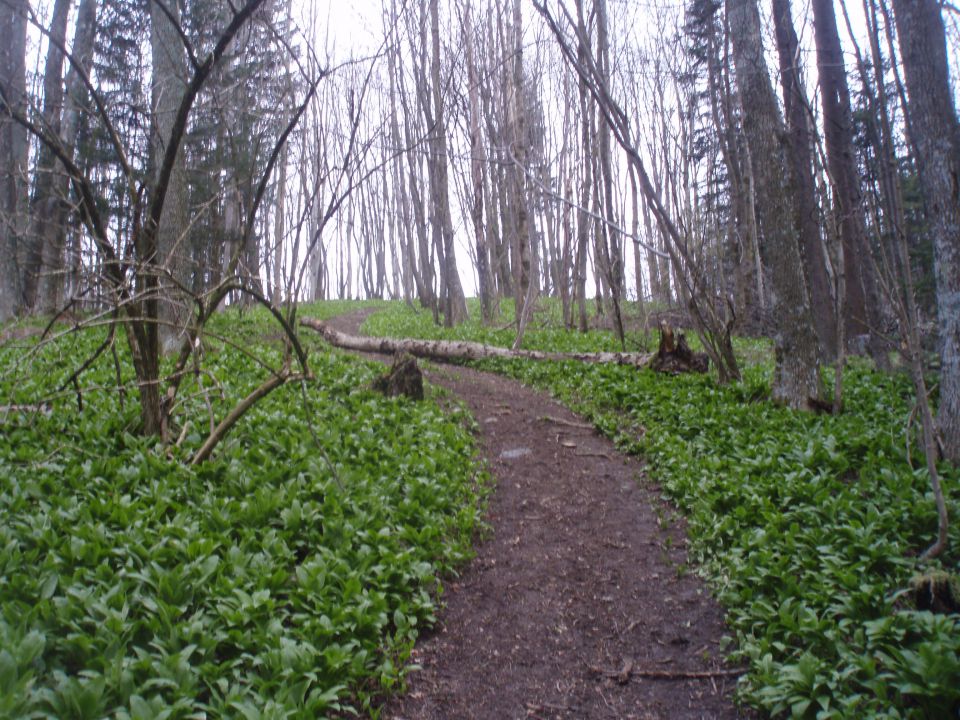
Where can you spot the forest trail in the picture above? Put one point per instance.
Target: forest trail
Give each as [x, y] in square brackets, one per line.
[578, 604]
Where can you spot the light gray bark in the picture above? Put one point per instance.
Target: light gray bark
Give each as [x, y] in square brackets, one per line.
[172, 263]
[461, 350]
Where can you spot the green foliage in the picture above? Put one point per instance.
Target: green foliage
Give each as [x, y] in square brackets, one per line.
[805, 524]
[287, 577]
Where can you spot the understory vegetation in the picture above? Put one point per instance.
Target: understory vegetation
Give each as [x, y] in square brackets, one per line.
[808, 526]
[286, 577]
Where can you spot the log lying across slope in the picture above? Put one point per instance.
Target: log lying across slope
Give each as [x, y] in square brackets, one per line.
[462, 350]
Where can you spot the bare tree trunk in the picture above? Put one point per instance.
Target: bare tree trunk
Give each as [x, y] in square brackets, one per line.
[520, 238]
[583, 220]
[279, 231]
[610, 238]
[169, 87]
[797, 381]
[935, 134]
[477, 169]
[862, 311]
[800, 149]
[14, 150]
[455, 305]
[41, 251]
[75, 108]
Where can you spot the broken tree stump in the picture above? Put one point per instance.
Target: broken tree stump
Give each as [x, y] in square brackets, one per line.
[674, 356]
[404, 378]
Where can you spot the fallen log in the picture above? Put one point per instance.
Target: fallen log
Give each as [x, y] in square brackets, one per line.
[447, 350]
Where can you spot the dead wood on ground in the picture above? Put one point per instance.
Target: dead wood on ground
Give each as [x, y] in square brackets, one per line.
[450, 350]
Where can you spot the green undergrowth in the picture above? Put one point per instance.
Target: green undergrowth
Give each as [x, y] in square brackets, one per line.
[286, 577]
[807, 525]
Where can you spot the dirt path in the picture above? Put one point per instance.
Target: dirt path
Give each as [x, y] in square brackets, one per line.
[577, 593]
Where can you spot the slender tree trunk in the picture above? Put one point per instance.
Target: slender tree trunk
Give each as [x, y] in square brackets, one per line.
[477, 167]
[173, 250]
[455, 305]
[797, 381]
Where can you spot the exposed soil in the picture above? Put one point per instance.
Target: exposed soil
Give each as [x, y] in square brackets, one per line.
[579, 604]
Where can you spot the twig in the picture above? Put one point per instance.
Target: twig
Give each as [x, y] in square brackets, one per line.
[629, 671]
[568, 423]
[183, 434]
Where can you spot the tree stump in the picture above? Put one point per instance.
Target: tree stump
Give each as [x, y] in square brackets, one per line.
[404, 378]
[674, 356]
[937, 591]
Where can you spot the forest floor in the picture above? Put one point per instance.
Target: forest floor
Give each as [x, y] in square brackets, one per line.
[579, 603]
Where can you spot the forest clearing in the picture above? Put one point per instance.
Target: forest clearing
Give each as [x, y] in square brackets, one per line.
[669, 293]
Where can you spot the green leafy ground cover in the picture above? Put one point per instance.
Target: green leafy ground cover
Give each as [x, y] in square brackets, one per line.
[270, 582]
[806, 525]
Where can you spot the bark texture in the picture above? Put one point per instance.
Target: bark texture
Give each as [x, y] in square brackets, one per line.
[801, 163]
[935, 134]
[13, 153]
[173, 251]
[446, 350]
[861, 304]
[796, 381]
[42, 253]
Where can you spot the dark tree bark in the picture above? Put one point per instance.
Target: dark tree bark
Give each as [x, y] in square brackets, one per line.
[796, 381]
[861, 302]
[935, 134]
[801, 163]
[13, 153]
[42, 238]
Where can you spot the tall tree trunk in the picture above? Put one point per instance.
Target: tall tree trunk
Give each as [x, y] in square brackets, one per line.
[42, 255]
[610, 238]
[76, 112]
[796, 381]
[935, 134]
[520, 238]
[455, 304]
[477, 167]
[279, 231]
[13, 154]
[801, 162]
[173, 250]
[861, 302]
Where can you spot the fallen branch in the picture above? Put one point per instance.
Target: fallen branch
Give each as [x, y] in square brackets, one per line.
[8, 409]
[628, 671]
[568, 423]
[238, 412]
[446, 350]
